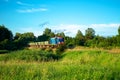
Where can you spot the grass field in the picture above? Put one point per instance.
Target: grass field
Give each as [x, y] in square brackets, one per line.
[83, 64]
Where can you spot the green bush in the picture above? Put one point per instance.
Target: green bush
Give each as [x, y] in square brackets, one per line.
[3, 51]
[60, 49]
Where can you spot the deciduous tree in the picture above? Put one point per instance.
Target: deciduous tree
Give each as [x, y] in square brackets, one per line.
[89, 33]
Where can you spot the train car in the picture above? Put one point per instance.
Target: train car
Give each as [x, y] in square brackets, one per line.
[52, 43]
[56, 40]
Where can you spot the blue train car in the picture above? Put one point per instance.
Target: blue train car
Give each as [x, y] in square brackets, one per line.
[56, 40]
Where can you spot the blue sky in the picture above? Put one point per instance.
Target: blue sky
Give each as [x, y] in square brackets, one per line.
[61, 15]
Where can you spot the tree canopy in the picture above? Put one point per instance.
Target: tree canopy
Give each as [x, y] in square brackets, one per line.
[5, 33]
[79, 38]
[89, 33]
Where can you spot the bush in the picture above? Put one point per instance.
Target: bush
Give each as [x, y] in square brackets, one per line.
[60, 49]
[3, 51]
[70, 46]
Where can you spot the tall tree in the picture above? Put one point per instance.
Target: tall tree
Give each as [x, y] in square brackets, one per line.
[47, 34]
[89, 33]
[6, 38]
[5, 33]
[79, 34]
[79, 38]
[47, 31]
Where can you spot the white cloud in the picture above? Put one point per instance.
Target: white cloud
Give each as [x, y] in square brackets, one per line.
[36, 30]
[32, 10]
[105, 25]
[28, 9]
[101, 29]
[23, 4]
[71, 30]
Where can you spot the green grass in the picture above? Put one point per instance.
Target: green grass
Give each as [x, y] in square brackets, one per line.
[3, 51]
[73, 65]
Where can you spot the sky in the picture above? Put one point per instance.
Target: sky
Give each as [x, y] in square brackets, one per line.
[66, 16]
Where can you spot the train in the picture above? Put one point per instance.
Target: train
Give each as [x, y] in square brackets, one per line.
[53, 42]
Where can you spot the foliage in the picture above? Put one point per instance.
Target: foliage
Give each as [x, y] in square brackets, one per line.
[5, 33]
[60, 49]
[30, 55]
[3, 51]
[89, 33]
[69, 41]
[20, 41]
[6, 38]
[61, 34]
[47, 34]
[43, 38]
[79, 38]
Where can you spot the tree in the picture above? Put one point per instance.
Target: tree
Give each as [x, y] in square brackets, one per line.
[6, 38]
[119, 31]
[47, 32]
[17, 36]
[61, 34]
[79, 34]
[52, 34]
[69, 42]
[79, 38]
[89, 33]
[22, 40]
[43, 38]
[5, 33]
[27, 37]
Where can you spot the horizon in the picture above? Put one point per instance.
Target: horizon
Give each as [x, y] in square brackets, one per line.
[61, 15]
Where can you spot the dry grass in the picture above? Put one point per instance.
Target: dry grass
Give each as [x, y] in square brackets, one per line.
[114, 50]
[80, 48]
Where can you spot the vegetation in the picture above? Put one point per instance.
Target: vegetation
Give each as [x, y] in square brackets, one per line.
[66, 62]
[20, 41]
[30, 55]
[73, 65]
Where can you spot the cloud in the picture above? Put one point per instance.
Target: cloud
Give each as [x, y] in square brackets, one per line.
[71, 29]
[32, 10]
[29, 8]
[35, 30]
[105, 25]
[23, 4]
[101, 29]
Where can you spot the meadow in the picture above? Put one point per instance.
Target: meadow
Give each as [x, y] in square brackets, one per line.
[76, 64]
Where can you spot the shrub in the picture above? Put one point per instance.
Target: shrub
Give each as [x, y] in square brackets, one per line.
[60, 49]
[3, 51]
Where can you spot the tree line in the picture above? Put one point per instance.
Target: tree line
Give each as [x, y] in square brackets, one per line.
[20, 41]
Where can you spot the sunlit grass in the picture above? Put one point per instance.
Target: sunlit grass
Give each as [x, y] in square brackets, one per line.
[73, 65]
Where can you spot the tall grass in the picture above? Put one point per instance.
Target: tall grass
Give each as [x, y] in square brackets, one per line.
[73, 65]
[29, 55]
